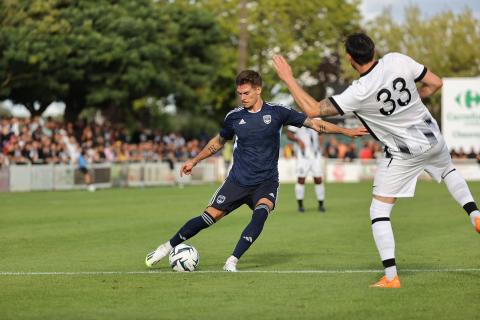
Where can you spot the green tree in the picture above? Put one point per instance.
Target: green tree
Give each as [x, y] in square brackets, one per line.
[309, 34]
[104, 54]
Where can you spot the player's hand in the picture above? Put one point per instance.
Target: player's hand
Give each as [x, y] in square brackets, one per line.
[284, 71]
[356, 132]
[187, 168]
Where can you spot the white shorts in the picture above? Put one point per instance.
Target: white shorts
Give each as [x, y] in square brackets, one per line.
[398, 177]
[306, 166]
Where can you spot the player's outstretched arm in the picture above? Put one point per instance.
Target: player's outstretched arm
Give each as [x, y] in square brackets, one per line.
[307, 103]
[215, 144]
[430, 84]
[326, 127]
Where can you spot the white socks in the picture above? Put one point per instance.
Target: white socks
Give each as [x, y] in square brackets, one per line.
[383, 235]
[459, 190]
[320, 191]
[299, 191]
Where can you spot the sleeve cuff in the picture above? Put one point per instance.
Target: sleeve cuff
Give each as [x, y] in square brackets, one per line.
[420, 77]
[335, 104]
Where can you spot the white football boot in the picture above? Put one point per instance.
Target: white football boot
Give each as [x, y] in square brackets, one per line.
[155, 256]
[231, 264]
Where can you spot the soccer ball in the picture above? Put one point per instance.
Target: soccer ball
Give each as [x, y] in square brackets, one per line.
[184, 258]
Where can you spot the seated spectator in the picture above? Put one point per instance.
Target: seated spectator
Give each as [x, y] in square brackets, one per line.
[472, 154]
[366, 152]
[350, 154]
[341, 150]
[331, 148]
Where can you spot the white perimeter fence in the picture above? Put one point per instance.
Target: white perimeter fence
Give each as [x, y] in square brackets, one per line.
[67, 177]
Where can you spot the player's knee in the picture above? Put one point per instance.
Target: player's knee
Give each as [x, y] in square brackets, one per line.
[266, 202]
[215, 213]
[301, 180]
[317, 180]
[389, 200]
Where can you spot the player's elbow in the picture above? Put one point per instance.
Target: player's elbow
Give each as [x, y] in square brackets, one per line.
[439, 83]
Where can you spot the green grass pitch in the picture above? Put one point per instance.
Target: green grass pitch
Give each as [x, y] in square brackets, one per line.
[81, 233]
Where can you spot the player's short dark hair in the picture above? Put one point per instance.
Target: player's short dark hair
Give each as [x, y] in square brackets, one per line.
[249, 76]
[360, 47]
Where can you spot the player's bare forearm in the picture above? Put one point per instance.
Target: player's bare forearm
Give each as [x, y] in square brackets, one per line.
[302, 98]
[307, 103]
[212, 147]
[326, 127]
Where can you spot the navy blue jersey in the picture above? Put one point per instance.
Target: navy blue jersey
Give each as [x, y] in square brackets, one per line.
[257, 146]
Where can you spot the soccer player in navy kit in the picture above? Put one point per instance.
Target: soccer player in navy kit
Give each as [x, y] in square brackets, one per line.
[253, 179]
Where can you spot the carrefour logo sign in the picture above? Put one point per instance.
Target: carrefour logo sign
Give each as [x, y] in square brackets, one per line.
[468, 99]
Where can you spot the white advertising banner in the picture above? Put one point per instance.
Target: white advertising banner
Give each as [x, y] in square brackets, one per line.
[20, 178]
[461, 113]
[42, 177]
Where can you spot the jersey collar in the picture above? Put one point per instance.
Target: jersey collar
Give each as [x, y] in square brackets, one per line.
[258, 109]
[370, 69]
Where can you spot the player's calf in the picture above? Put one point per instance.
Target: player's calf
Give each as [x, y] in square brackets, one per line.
[253, 230]
[459, 190]
[383, 235]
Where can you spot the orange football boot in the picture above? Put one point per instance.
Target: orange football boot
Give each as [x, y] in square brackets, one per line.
[477, 224]
[385, 283]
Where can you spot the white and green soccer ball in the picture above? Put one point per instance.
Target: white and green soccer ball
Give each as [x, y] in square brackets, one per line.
[184, 258]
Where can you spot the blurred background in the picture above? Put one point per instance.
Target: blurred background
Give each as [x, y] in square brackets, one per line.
[130, 89]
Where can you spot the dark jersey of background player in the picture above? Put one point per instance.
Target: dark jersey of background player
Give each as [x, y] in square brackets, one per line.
[257, 145]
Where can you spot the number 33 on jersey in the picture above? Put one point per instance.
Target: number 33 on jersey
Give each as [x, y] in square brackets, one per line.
[386, 101]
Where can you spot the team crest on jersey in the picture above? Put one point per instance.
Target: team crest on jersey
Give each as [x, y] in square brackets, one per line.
[267, 119]
[220, 199]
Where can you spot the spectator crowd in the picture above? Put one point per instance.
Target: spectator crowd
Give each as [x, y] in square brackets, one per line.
[43, 141]
[367, 150]
[46, 141]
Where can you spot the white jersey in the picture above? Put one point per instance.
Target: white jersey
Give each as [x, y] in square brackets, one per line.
[387, 102]
[310, 139]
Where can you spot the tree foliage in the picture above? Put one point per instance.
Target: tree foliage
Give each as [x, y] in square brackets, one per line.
[309, 34]
[104, 54]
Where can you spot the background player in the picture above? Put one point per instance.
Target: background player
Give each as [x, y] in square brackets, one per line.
[308, 155]
[388, 102]
[253, 178]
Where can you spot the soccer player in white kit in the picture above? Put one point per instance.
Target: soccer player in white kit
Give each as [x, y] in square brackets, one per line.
[387, 101]
[308, 155]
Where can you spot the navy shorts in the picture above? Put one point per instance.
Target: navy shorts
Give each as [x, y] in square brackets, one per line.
[229, 196]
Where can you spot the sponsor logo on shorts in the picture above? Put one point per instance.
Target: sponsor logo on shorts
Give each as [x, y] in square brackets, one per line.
[221, 199]
[267, 119]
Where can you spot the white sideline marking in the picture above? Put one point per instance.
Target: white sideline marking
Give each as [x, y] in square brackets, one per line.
[166, 272]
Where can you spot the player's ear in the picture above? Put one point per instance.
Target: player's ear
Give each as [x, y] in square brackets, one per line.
[258, 90]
